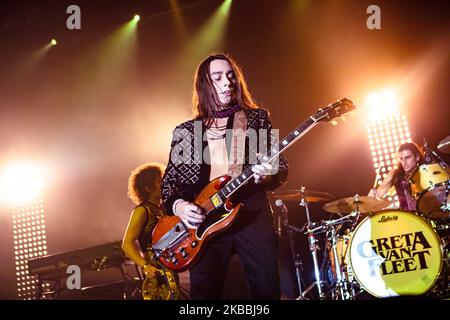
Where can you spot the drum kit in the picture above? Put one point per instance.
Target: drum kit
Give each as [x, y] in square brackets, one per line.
[371, 247]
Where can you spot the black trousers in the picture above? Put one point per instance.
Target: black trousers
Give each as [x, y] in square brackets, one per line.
[253, 238]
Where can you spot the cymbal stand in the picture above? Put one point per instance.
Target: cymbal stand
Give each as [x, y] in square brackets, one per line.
[431, 155]
[313, 246]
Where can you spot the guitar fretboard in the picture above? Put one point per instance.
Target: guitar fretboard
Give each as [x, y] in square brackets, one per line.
[269, 157]
[331, 112]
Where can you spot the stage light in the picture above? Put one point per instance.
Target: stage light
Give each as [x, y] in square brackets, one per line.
[136, 18]
[391, 126]
[30, 247]
[210, 37]
[381, 103]
[21, 182]
[53, 42]
[21, 185]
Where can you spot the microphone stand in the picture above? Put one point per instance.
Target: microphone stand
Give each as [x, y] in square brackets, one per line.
[298, 264]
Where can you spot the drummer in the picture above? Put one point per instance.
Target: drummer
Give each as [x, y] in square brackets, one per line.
[410, 157]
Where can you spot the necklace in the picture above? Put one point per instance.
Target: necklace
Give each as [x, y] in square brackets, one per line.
[217, 133]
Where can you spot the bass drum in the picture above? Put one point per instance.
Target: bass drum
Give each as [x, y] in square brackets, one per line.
[395, 253]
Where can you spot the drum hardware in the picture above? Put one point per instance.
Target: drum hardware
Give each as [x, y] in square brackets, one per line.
[363, 205]
[394, 232]
[313, 247]
[303, 197]
[343, 288]
[432, 156]
[351, 216]
[296, 195]
[291, 231]
[353, 258]
[442, 228]
[444, 145]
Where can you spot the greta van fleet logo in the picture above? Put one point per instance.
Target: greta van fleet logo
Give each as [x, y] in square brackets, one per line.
[396, 254]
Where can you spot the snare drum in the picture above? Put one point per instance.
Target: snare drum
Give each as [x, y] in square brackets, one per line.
[395, 253]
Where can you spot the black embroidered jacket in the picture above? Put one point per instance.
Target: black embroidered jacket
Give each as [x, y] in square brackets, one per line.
[188, 167]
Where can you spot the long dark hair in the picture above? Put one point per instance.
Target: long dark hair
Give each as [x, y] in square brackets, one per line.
[416, 151]
[205, 101]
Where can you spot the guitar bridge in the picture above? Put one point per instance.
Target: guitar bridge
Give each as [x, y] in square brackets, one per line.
[172, 238]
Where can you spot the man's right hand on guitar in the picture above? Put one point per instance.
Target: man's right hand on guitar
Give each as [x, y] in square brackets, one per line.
[189, 213]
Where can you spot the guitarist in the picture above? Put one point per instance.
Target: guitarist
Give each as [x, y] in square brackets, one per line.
[225, 112]
[144, 191]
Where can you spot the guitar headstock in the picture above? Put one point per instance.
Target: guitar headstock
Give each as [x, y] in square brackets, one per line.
[335, 111]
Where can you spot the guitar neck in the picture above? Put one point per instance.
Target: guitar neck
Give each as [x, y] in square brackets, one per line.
[269, 157]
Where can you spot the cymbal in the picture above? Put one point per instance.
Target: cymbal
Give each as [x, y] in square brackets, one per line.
[364, 204]
[296, 195]
[444, 145]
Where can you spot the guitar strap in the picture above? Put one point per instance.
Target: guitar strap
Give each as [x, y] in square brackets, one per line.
[237, 150]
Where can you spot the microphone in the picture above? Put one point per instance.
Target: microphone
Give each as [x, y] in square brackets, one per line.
[280, 204]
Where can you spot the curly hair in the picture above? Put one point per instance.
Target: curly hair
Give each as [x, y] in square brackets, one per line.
[141, 177]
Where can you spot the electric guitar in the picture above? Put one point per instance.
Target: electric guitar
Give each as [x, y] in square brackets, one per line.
[178, 247]
[161, 284]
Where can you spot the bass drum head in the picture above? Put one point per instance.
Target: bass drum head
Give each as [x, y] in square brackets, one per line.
[395, 253]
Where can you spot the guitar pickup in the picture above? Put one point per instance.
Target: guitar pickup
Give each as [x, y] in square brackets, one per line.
[216, 201]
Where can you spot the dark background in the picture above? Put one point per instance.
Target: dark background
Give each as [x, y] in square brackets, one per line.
[91, 122]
